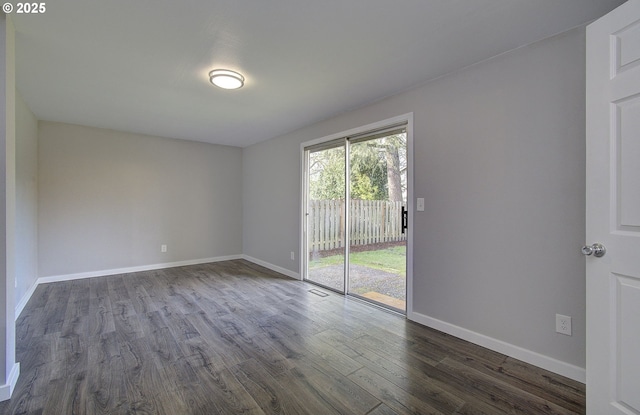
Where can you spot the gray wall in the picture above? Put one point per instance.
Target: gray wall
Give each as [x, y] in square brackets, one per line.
[499, 158]
[8, 367]
[271, 181]
[26, 199]
[108, 200]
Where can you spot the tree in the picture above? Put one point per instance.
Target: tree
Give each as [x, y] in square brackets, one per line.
[326, 174]
[368, 172]
[378, 170]
[392, 148]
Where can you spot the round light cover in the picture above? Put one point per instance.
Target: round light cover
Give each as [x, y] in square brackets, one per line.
[226, 79]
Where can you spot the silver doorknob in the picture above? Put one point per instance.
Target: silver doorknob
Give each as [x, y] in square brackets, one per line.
[598, 250]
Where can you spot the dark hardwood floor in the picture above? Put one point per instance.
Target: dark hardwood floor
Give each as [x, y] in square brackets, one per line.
[235, 338]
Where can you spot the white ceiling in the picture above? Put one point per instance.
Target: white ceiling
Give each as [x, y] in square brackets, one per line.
[141, 66]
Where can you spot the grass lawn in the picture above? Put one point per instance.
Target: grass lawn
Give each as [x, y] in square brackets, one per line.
[392, 260]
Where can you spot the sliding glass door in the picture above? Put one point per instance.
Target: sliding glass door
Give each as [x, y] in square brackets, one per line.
[355, 236]
[378, 243]
[325, 216]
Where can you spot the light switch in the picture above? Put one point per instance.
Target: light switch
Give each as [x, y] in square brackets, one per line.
[420, 204]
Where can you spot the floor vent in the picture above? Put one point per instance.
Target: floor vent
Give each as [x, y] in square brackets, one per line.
[318, 293]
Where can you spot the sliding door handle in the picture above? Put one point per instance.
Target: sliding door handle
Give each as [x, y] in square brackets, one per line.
[405, 219]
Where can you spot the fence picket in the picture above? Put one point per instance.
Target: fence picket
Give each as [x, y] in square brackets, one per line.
[372, 221]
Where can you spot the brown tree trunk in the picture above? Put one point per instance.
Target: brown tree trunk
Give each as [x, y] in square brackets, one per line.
[393, 173]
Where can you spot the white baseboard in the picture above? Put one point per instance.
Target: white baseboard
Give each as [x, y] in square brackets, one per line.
[25, 299]
[91, 274]
[6, 390]
[116, 271]
[284, 271]
[545, 362]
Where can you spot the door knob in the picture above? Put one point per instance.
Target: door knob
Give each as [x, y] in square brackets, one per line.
[598, 250]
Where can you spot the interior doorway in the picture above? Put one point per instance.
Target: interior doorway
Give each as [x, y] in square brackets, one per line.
[355, 214]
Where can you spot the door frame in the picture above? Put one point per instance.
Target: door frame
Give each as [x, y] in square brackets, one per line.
[408, 118]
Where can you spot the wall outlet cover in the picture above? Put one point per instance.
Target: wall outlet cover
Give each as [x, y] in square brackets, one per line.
[563, 324]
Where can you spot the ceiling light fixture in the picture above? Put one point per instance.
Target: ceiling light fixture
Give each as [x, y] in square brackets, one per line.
[226, 79]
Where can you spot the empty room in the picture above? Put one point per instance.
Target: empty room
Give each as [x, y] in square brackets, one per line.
[365, 207]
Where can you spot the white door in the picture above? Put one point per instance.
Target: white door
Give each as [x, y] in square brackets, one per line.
[613, 212]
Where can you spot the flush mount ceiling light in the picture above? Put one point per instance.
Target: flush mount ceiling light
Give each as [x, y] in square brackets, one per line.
[226, 79]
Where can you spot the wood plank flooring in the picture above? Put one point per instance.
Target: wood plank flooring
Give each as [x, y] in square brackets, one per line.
[235, 338]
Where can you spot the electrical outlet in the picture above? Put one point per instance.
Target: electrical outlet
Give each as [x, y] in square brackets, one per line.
[293, 256]
[563, 324]
[163, 248]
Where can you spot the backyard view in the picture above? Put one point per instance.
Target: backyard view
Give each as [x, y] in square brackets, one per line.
[378, 273]
[373, 226]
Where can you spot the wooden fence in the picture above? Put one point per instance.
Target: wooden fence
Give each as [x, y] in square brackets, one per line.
[372, 221]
